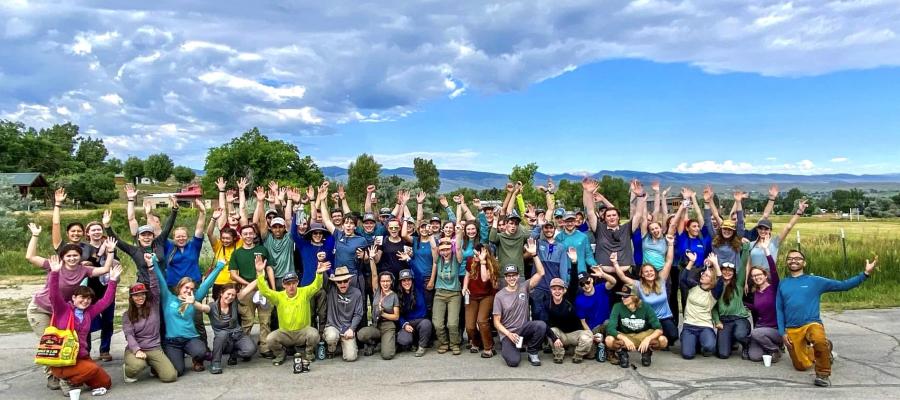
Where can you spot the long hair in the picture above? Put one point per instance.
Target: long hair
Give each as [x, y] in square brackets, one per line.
[466, 240]
[652, 287]
[135, 312]
[492, 267]
[734, 242]
[181, 283]
[765, 271]
[407, 300]
[730, 287]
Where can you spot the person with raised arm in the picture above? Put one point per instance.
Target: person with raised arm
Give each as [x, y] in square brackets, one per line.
[799, 322]
[447, 297]
[349, 248]
[385, 311]
[509, 243]
[760, 300]
[704, 288]
[424, 252]
[480, 286]
[224, 319]
[765, 239]
[592, 303]
[74, 230]
[612, 236]
[274, 238]
[96, 255]
[146, 241]
[223, 243]
[140, 325]
[183, 260]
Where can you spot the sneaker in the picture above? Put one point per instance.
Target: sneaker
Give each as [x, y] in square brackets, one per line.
[215, 368]
[534, 359]
[456, 350]
[65, 387]
[420, 352]
[127, 379]
[105, 357]
[474, 349]
[822, 381]
[577, 360]
[232, 360]
[745, 353]
[52, 382]
[100, 391]
[278, 361]
[776, 357]
[623, 358]
[646, 358]
[369, 350]
[268, 354]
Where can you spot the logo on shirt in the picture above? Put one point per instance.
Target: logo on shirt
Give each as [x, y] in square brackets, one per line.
[523, 297]
[633, 323]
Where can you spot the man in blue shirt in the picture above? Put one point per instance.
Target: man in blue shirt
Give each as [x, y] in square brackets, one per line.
[797, 306]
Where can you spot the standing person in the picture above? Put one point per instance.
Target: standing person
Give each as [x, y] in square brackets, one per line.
[74, 231]
[79, 314]
[223, 246]
[565, 327]
[704, 288]
[275, 239]
[479, 287]
[414, 322]
[140, 324]
[509, 243]
[592, 303]
[294, 311]
[346, 309]
[388, 256]
[799, 323]
[612, 236]
[385, 311]
[570, 237]
[147, 241]
[633, 326]
[242, 267]
[447, 297]
[181, 337]
[764, 338]
[424, 250]
[349, 248]
[557, 260]
[652, 291]
[183, 260]
[511, 313]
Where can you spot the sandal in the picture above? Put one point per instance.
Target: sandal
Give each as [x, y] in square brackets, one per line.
[474, 349]
[487, 354]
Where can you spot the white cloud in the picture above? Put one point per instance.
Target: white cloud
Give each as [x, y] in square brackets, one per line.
[840, 159]
[801, 167]
[112, 98]
[85, 41]
[269, 93]
[304, 114]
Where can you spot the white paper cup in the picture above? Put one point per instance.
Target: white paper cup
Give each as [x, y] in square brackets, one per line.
[519, 342]
[74, 394]
[767, 360]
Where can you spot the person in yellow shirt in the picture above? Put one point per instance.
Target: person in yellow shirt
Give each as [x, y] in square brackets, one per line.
[223, 244]
[294, 310]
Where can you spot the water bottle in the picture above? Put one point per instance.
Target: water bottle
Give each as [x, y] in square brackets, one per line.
[601, 348]
[320, 350]
[298, 363]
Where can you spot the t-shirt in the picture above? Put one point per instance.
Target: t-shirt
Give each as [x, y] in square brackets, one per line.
[243, 260]
[512, 306]
[510, 248]
[654, 251]
[345, 250]
[477, 287]
[582, 244]
[183, 262]
[344, 310]
[223, 253]
[593, 309]
[758, 256]
[659, 302]
[387, 304]
[626, 321]
[69, 280]
[700, 245]
[389, 261]
[422, 258]
[563, 317]
[613, 241]
[282, 252]
[448, 274]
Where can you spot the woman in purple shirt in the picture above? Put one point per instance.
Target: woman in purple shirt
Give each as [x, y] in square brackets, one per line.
[140, 324]
[764, 338]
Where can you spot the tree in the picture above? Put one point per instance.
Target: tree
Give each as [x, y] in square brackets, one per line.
[896, 199]
[427, 175]
[158, 167]
[183, 175]
[362, 172]
[569, 194]
[790, 199]
[11, 227]
[844, 200]
[114, 165]
[617, 192]
[253, 156]
[133, 168]
[526, 176]
[92, 187]
[91, 153]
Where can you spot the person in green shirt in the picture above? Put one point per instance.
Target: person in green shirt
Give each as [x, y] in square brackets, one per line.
[632, 326]
[294, 311]
[242, 267]
[732, 320]
[510, 243]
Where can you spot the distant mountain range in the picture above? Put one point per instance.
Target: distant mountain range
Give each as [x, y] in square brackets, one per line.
[452, 179]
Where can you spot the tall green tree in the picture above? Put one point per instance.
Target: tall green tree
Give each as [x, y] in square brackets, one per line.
[362, 172]
[787, 203]
[91, 153]
[525, 174]
[158, 167]
[569, 194]
[183, 174]
[427, 175]
[114, 165]
[133, 168]
[617, 192]
[253, 156]
[92, 187]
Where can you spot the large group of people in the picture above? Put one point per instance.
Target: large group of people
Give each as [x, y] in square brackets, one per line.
[321, 280]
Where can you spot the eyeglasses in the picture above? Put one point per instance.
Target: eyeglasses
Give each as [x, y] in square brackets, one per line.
[586, 283]
[393, 228]
[795, 258]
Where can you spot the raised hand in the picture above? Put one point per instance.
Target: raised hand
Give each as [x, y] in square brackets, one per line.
[260, 193]
[341, 194]
[870, 266]
[35, 229]
[573, 254]
[130, 191]
[637, 188]
[801, 206]
[242, 183]
[369, 189]
[55, 263]
[708, 194]
[404, 196]
[654, 186]
[321, 256]
[666, 192]
[551, 187]
[773, 191]
[739, 195]
[510, 187]
[201, 208]
[282, 193]
[115, 273]
[217, 213]
[670, 240]
[531, 246]
[458, 199]
[59, 195]
[691, 256]
[220, 183]
[420, 197]
[173, 201]
[259, 263]
[443, 201]
[323, 266]
[273, 186]
[148, 258]
[229, 196]
[111, 243]
[687, 193]
[614, 258]
[310, 193]
[372, 250]
[519, 186]
[588, 184]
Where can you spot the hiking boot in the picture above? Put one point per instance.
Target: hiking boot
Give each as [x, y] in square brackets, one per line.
[310, 355]
[368, 350]
[232, 360]
[822, 381]
[105, 357]
[278, 361]
[745, 353]
[420, 351]
[534, 359]
[623, 357]
[613, 357]
[52, 382]
[443, 349]
[267, 354]
[215, 368]
[776, 357]
[456, 350]
[127, 379]
[558, 359]
[547, 349]
[646, 358]
[577, 360]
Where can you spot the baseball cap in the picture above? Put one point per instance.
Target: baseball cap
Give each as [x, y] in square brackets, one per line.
[728, 224]
[569, 215]
[728, 265]
[435, 219]
[559, 212]
[583, 277]
[405, 274]
[290, 276]
[277, 221]
[384, 211]
[557, 282]
[144, 228]
[626, 290]
[764, 223]
[137, 288]
[368, 217]
[271, 211]
[513, 215]
[510, 269]
[540, 211]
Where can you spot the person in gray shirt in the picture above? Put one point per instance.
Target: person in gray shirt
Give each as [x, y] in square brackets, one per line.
[229, 337]
[511, 313]
[345, 312]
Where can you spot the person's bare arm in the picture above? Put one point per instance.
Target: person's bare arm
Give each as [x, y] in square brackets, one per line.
[55, 231]
[420, 200]
[259, 217]
[131, 196]
[510, 194]
[801, 208]
[201, 218]
[770, 204]
[211, 229]
[221, 186]
[709, 200]
[531, 248]
[322, 200]
[676, 227]
[31, 251]
[367, 204]
[242, 199]
[342, 196]
[588, 186]
[670, 257]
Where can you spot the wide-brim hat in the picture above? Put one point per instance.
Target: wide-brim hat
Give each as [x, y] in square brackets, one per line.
[341, 274]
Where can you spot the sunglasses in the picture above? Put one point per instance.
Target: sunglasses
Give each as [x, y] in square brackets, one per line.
[344, 282]
[587, 283]
[393, 228]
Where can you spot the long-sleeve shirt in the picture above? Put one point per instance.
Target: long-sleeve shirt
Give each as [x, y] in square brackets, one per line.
[143, 334]
[701, 303]
[735, 307]
[181, 325]
[157, 247]
[582, 244]
[344, 310]
[510, 247]
[556, 263]
[62, 311]
[293, 312]
[306, 252]
[762, 303]
[419, 309]
[183, 262]
[798, 298]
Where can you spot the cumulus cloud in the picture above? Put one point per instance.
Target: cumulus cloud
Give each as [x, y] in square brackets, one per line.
[801, 167]
[840, 159]
[209, 67]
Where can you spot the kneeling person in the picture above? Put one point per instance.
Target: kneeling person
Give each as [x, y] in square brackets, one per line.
[633, 326]
[385, 313]
[565, 328]
[345, 310]
[511, 314]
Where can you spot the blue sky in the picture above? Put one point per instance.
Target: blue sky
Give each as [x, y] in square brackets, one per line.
[757, 86]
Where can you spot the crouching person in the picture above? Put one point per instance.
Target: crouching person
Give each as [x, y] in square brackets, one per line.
[229, 337]
[140, 324]
[294, 311]
[511, 314]
[633, 326]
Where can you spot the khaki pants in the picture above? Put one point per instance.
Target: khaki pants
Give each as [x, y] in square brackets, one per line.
[38, 318]
[280, 339]
[810, 346]
[386, 332]
[582, 341]
[156, 359]
[247, 310]
[478, 322]
[348, 346]
[446, 317]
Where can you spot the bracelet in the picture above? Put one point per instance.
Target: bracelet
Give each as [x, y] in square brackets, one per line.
[771, 199]
[57, 205]
[34, 235]
[110, 252]
[131, 200]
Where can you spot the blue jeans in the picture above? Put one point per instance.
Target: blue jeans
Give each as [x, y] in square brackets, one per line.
[691, 335]
[670, 329]
[734, 329]
[540, 306]
[104, 323]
